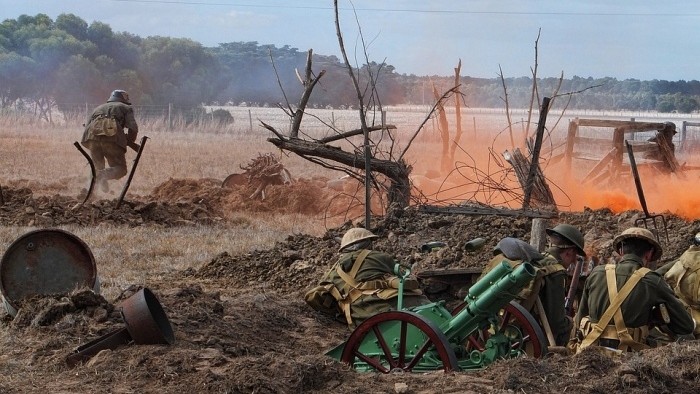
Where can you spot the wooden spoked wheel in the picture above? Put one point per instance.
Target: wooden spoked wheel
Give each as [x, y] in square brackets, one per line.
[516, 323]
[399, 341]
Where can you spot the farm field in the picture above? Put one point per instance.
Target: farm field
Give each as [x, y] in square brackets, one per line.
[231, 272]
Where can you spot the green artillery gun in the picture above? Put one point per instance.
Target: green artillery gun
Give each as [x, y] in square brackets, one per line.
[488, 326]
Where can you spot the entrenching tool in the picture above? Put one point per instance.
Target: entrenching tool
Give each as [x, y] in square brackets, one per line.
[647, 219]
[429, 337]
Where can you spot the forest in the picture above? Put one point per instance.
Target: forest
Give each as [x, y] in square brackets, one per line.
[59, 64]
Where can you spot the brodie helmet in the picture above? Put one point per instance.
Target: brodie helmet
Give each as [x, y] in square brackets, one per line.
[355, 235]
[670, 126]
[643, 234]
[571, 234]
[119, 95]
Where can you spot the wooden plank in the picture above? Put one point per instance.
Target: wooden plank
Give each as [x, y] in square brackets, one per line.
[597, 142]
[601, 164]
[468, 210]
[584, 156]
[449, 272]
[625, 125]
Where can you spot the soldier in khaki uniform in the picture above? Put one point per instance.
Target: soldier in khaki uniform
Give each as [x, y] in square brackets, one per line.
[683, 276]
[566, 243]
[104, 136]
[635, 292]
[548, 289]
[364, 281]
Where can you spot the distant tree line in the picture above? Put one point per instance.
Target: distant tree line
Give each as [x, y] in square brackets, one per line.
[49, 64]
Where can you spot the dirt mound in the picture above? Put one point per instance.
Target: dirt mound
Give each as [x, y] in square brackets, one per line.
[176, 202]
[241, 324]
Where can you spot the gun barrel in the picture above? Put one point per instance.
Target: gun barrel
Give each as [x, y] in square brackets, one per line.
[489, 302]
[488, 280]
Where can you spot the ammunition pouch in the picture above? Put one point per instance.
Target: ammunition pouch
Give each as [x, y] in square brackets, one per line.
[610, 337]
[324, 298]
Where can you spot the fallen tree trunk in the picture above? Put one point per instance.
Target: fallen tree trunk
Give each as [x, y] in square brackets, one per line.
[397, 171]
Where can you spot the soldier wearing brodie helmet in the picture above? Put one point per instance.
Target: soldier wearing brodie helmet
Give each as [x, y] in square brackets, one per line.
[362, 282]
[618, 300]
[105, 138]
[566, 243]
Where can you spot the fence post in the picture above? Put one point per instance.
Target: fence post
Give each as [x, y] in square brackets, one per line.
[170, 116]
[250, 121]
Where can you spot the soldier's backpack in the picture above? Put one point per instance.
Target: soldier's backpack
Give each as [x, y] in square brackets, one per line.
[684, 277]
[103, 125]
[324, 298]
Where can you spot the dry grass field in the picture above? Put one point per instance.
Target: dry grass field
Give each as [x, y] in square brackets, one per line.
[43, 158]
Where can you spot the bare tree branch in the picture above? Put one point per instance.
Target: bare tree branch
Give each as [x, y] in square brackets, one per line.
[505, 93]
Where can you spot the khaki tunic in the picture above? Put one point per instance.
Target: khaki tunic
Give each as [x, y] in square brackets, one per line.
[637, 307]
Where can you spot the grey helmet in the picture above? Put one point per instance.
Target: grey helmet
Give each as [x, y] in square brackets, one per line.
[119, 95]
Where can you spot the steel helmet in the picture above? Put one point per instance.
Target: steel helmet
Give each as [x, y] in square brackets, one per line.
[516, 249]
[571, 234]
[670, 126]
[640, 233]
[355, 235]
[119, 95]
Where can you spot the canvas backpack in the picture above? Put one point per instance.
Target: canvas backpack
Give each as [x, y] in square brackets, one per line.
[684, 277]
[103, 125]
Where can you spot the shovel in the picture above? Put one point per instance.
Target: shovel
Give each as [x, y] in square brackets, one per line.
[647, 219]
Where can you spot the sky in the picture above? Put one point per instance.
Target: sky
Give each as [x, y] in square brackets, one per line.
[623, 39]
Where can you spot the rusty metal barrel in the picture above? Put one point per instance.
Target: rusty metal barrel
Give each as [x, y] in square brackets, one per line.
[45, 262]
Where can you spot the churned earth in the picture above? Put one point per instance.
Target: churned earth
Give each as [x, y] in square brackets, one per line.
[241, 324]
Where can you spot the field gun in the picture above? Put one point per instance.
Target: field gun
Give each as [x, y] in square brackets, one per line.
[429, 337]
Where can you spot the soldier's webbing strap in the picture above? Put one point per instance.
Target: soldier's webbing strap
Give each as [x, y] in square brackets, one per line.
[351, 287]
[626, 340]
[615, 303]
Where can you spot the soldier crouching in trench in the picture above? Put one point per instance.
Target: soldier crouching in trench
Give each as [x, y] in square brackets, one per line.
[618, 301]
[362, 283]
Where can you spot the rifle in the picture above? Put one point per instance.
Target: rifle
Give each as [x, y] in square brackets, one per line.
[569, 300]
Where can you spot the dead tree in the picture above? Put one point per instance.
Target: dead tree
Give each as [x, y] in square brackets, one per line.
[458, 114]
[443, 126]
[396, 171]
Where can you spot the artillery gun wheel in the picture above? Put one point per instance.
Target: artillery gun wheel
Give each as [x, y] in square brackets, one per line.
[395, 350]
[518, 324]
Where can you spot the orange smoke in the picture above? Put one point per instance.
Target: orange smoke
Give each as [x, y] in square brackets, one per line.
[663, 194]
[678, 195]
